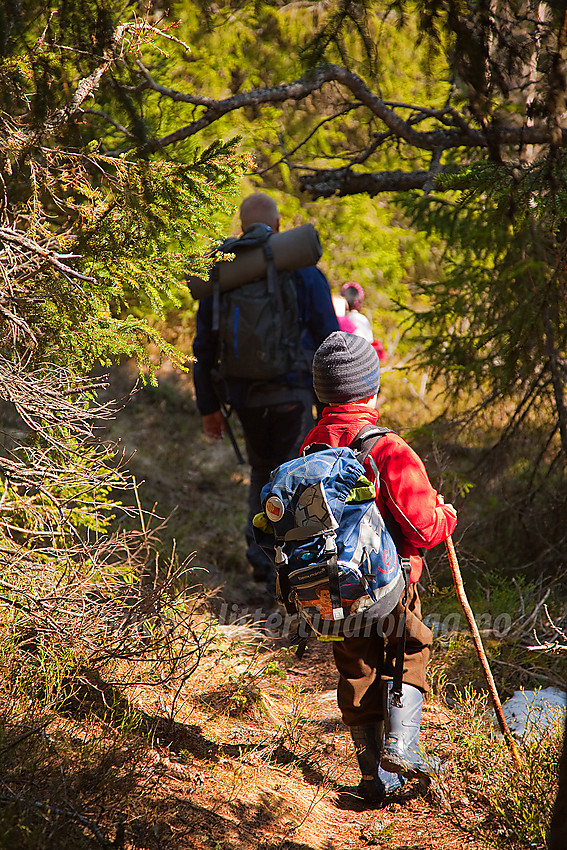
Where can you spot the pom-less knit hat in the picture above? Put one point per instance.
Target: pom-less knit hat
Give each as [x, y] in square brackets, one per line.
[345, 368]
[353, 293]
[353, 285]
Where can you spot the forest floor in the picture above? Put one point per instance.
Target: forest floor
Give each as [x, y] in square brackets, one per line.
[257, 751]
[266, 775]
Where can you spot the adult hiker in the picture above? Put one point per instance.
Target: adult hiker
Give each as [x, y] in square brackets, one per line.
[346, 378]
[275, 412]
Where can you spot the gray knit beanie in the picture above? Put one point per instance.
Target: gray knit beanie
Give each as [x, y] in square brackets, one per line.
[345, 368]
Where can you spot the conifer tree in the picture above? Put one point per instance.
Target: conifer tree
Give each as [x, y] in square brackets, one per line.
[495, 321]
[92, 248]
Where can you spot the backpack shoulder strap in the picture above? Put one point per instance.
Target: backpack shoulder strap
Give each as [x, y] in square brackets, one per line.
[366, 439]
[363, 444]
[256, 235]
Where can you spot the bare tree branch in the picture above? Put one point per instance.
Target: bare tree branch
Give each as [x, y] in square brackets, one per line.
[345, 181]
[314, 80]
[120, 127]
[44, 254]
[556, 644]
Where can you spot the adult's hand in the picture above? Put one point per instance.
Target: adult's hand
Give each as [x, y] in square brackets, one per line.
[214, 425]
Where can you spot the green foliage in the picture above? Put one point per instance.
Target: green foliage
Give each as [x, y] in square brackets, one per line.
[136, 225]
[113, 222]
[120, 227]
[485, 325]
[502, 803]
[492, 329]
[501, 605]
[363, 239]
[94, 250]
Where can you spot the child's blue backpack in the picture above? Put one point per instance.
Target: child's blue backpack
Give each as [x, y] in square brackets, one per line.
[337, 563]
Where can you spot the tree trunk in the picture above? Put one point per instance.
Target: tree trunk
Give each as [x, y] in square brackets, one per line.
[558, 827]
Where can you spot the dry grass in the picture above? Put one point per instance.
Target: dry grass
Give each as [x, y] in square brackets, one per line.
[134, 766]
[129, 718]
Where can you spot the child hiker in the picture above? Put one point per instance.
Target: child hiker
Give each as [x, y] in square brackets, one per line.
[346, 378]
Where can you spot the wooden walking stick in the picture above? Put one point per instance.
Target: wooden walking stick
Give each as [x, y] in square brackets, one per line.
[462, 597]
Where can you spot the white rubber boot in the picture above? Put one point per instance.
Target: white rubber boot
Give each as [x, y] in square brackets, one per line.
[401, 753]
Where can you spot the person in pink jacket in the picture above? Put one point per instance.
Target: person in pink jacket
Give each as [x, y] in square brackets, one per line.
[347, 308]
[346, 378]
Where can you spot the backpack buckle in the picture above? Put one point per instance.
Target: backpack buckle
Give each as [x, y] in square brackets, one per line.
[330, 543]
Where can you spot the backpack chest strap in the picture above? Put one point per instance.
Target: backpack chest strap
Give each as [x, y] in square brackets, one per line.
[335, 587]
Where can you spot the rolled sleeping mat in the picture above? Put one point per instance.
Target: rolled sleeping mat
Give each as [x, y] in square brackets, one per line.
[292, 249]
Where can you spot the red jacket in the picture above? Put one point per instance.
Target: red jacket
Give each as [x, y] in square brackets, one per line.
[405, 489]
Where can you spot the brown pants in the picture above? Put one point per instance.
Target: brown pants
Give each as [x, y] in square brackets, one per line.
[365, 662]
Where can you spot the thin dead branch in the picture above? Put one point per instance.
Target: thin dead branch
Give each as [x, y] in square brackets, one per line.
[555, 644]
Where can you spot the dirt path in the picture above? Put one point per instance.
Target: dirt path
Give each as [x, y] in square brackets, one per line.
[257, 781]
[266, 777]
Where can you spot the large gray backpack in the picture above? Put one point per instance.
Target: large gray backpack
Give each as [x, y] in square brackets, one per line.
[258, 322]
